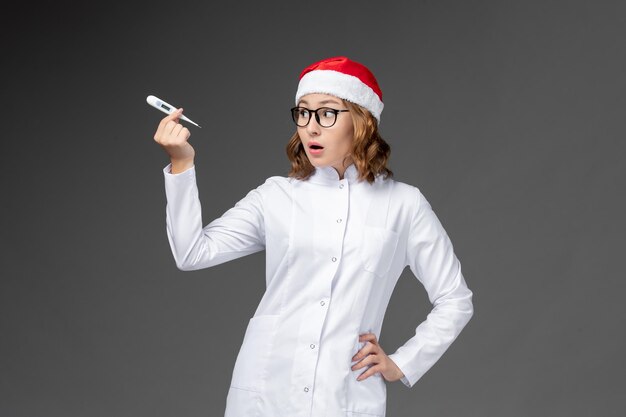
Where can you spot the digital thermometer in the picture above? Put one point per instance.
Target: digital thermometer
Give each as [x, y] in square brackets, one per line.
[166, 108]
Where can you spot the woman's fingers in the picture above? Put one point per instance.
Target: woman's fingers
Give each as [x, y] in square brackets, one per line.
[365, 351]
[368, 348]
[370, 337]
[184, 134]
[173, 116]
[367, 360]
[371, 371]
[170, 132]
[370, 355]
[175, 131]
[173, 136]
[167, 124]
[374, 357]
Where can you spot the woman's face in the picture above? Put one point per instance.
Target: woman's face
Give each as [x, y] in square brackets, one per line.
[336, 141]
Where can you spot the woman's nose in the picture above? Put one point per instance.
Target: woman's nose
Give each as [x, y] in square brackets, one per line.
[313, 128]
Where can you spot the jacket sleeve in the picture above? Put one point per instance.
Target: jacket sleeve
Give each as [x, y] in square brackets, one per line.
[431, 258]
[238, 232]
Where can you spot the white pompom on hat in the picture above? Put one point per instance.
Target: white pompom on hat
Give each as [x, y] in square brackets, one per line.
[343, 78]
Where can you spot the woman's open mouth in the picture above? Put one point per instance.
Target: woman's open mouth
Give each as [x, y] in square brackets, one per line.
[315, 148]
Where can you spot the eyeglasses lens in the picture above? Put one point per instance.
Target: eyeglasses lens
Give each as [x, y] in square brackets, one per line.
[326, 117]
[301, 116]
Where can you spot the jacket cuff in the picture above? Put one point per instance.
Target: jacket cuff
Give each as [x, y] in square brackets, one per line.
[179, 185]
[168, 171]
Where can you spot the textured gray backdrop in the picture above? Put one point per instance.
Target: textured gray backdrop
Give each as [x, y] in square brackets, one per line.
[509, 116]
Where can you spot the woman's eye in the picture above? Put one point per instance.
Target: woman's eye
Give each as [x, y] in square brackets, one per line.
[303, 113]
[328, 114]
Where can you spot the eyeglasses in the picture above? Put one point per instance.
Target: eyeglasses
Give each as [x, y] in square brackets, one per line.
[325, 116]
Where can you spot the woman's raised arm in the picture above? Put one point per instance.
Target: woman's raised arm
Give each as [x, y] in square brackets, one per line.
[238, 232]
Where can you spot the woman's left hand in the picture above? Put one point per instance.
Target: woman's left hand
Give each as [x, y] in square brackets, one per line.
[373, 354]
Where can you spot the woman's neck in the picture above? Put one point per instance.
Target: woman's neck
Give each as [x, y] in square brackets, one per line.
[342, 170]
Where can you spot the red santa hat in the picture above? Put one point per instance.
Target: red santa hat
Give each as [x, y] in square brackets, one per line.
[343, 78]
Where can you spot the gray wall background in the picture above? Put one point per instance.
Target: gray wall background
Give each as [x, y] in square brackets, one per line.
[509, 116]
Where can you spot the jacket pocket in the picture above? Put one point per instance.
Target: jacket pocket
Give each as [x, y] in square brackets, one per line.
[242, 402]
[378, 249]
[250, 371]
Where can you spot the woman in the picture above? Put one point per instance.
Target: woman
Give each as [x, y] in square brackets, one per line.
[337, 231]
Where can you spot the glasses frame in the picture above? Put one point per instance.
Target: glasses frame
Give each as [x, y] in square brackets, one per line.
[317, 116]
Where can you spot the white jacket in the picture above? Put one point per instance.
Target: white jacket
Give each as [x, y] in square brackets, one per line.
[334, 252]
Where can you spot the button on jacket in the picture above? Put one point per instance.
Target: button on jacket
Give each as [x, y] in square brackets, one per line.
[335, 249]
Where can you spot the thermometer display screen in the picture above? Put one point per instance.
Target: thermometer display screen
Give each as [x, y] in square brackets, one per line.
[165, 107]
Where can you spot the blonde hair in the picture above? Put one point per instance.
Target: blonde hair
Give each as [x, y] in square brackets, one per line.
[369, 151]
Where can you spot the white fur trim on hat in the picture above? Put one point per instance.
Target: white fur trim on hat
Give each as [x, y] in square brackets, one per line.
[347, 87]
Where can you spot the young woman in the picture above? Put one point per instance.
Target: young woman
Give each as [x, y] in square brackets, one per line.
[338, 231]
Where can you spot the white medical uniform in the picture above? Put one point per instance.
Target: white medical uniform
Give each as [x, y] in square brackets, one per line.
[334, 252]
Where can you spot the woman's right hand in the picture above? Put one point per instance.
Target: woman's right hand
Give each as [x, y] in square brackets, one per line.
[172, 136]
